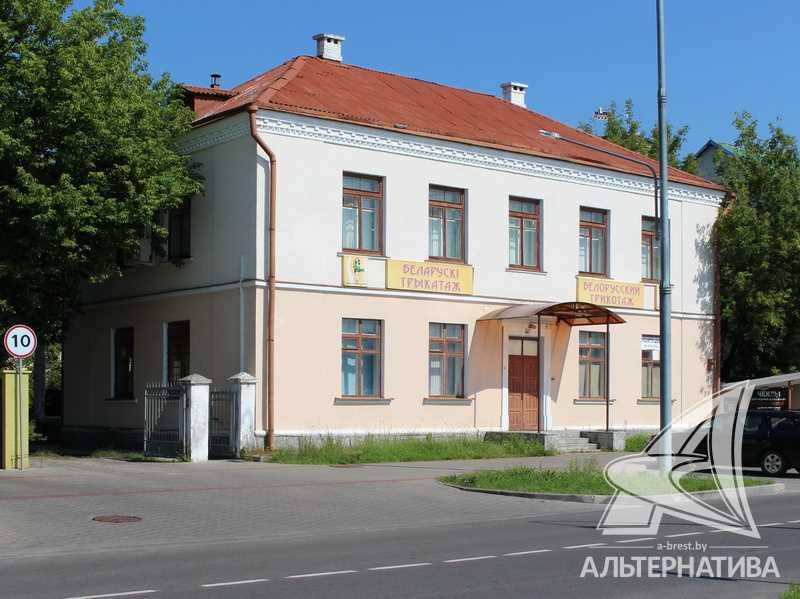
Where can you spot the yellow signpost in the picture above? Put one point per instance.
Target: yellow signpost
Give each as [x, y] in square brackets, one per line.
[433, 277]
[607, 292]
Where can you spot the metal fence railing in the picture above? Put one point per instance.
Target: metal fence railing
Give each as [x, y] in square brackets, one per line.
[165, 420]
[223, 418]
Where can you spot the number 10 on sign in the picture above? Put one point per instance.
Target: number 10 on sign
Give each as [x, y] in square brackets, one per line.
[20, 342]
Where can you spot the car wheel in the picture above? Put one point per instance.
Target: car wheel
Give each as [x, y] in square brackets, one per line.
[773, 463]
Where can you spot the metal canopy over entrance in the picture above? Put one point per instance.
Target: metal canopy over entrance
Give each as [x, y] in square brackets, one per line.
[571, 313]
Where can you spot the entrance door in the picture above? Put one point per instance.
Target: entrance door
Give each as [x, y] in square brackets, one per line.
[523, 385]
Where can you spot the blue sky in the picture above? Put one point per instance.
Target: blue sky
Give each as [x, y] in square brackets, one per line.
[576, 55]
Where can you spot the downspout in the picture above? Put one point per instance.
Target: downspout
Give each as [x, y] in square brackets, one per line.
[273, 173]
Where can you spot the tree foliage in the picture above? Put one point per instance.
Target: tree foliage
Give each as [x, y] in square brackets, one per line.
[759, 244]
[86, 154]
[626, 130]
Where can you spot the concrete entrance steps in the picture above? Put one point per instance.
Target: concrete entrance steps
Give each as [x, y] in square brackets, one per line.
[561, 441]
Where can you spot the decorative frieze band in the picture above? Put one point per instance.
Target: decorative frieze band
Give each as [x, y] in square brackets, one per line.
[409, 145]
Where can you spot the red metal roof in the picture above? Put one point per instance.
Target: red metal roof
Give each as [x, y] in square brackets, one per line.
[332, 90]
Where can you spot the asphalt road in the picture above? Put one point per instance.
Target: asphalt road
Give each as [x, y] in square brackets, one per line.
[540, 554]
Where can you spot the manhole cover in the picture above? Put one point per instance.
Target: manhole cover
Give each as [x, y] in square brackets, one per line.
[116, 519]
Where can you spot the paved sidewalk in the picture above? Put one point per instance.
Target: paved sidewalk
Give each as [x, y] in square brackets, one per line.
[49, 508]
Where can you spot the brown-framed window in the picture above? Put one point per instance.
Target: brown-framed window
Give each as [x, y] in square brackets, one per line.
[123, 363]
[592, 364]
[179, 242]
[651, 250]
[524, 233]
[177, 351]
[362, 213]
[361, 358]
[651, 367]
[593, 246]
[445, 360]
[446, 223]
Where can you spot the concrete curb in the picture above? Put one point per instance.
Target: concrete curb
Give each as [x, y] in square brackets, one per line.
[768, 489]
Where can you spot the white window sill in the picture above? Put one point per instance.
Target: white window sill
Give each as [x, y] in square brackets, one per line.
[358, 401]
[650, 401]
[362, 255]
[446, 401]
[527, 271]
[594, 401]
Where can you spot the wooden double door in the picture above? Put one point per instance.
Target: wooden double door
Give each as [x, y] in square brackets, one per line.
[523, 385]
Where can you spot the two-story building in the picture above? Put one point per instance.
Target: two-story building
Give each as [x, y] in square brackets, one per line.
[392, 256]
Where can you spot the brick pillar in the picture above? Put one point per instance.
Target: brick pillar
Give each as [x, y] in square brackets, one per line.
[245, 384]
[197, 389]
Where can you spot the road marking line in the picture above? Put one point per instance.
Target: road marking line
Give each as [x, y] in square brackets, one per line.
[125, 594]
[233, 582]
[793, 522]
[512, 554]
[637, 539]
[684, 534]
[771, 524]
[468, 559]
[583, 546]
[400, 566]
[313, 574]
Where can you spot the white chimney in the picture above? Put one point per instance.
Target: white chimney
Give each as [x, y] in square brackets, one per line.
[514, 92]
[329, 45]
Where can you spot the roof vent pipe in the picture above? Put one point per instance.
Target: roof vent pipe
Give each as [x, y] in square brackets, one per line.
[215, 77]
[514, 92]
[329, 45]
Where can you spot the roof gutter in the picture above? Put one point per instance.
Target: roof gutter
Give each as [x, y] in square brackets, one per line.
[273, 175]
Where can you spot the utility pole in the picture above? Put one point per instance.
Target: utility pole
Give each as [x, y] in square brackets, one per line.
[665, 293]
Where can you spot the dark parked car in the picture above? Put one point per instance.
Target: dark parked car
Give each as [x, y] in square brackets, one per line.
[770, 441]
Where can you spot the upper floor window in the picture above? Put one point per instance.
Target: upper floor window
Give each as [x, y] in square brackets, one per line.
[179, 246]
[123, 363]
[446, 360]
[361, 357]
[362, 213]
[446, 223]
[592, 364]
[651, 251]
[593, 248]
[524, 233]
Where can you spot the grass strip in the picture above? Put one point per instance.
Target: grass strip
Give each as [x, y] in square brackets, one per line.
[576, 479]
[376, 449]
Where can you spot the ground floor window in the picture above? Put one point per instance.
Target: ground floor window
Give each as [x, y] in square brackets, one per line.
[445, 360]
[177, 351]
[651, 367]
[361, 357]
[592, 364]
[123, 363]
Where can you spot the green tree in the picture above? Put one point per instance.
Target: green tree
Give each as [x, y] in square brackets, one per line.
[86, 153]
[626, 130]
[759, 245]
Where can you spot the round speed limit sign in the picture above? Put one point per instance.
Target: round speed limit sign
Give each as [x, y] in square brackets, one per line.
[20, 341]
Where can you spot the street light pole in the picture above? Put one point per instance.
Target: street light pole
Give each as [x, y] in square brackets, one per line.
[665, 288]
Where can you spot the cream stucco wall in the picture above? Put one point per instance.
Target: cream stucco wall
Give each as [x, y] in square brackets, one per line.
[214, 351]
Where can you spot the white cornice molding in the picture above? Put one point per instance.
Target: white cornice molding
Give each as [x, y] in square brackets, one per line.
[410, 145]
[355, 136]
[213, 134]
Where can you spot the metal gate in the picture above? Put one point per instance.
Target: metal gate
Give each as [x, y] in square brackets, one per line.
[165, 420]
[223, 418]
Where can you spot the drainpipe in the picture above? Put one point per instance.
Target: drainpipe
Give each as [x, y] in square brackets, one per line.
[273, 173]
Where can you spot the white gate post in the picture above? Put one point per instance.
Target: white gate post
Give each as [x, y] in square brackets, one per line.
[197, 396]
[245, 385]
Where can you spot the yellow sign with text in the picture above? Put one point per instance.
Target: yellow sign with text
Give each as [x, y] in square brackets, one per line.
[606, 292]
[431, 277]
